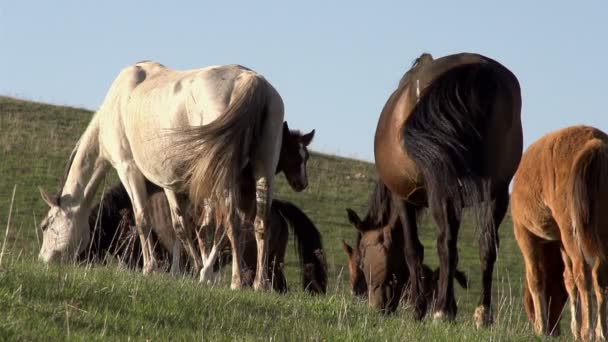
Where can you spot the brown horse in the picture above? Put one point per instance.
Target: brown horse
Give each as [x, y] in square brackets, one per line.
[450, 136]
[380, 237]
[113, 232]
[557, 197]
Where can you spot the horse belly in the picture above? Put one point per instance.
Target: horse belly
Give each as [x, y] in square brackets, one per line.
[402, 177]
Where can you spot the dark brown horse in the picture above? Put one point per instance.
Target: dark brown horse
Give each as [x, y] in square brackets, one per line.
[114, 233]
[558, 199]
[450, 136]
[113, 230]
[380, 237]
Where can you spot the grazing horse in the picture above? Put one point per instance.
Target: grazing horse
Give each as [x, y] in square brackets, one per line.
[112, 223]
[309, 245]
[558, 197]
[450, 136]
[186, 131]
[377, 265]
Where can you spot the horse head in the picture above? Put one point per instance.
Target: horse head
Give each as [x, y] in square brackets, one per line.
[65, 231]
[380, 260]
[294, 156]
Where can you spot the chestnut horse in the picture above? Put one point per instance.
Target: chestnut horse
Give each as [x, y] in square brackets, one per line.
[380, 237]
[450, 136]
[558, 194]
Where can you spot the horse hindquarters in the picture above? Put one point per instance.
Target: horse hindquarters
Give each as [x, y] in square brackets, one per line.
[446, 136]
[588, 192]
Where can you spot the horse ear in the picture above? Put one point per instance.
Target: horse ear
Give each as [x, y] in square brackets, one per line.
[462, 279]
[307, 138]
[285, 127]
[348, 249]
[50, 200]
[354, 218]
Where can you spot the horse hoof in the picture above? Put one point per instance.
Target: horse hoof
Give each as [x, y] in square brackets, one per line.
[175, 272]
[483, 317]
[236, 285]
[441, 316]
[207, 276]
[150, 268]
[600, 335]
[261, 285]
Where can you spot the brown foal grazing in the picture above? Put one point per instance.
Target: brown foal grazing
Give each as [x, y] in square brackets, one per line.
[558, 194]
[450, 136]
[377, 265]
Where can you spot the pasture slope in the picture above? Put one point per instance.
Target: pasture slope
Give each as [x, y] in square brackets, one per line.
[105, 302]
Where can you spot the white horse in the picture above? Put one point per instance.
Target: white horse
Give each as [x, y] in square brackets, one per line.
[193, 131]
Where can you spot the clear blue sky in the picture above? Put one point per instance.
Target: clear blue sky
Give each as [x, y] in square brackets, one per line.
[334, 63]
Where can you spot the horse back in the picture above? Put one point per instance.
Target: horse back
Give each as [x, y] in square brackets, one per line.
[541, 185]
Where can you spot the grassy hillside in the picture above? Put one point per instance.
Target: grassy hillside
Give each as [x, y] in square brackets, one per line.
[103, 301]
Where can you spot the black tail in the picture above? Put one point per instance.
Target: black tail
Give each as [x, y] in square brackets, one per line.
[309, 246]
[446, 130]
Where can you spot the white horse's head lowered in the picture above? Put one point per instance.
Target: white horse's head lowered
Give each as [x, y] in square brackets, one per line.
[65, 231]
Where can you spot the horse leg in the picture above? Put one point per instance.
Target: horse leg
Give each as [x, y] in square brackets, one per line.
[263, 202]
[570, 283]
[235, 225]
[183, 228]
[208, 273]
[488, 248]
[278, 241]
[600, 280]
[135, 184]
[530, 247]
[176, 252]
[206, 229]
[447, 217]
[581, 272]
[414, 256]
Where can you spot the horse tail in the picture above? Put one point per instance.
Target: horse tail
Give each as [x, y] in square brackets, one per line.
[308, 245]
[445, 133]
[588, 187]
[213, 155]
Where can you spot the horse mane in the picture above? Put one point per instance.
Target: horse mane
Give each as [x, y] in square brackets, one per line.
[380, 206]
[308, 245]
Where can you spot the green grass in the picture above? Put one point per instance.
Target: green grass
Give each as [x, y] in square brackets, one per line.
[104, 302]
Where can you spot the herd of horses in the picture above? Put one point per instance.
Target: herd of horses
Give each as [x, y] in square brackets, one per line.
[197, 151]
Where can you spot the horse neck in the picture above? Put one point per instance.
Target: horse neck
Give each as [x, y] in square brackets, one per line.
[85, 172]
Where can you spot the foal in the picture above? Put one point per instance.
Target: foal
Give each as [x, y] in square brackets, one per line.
[377, 264]
[558, 196]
